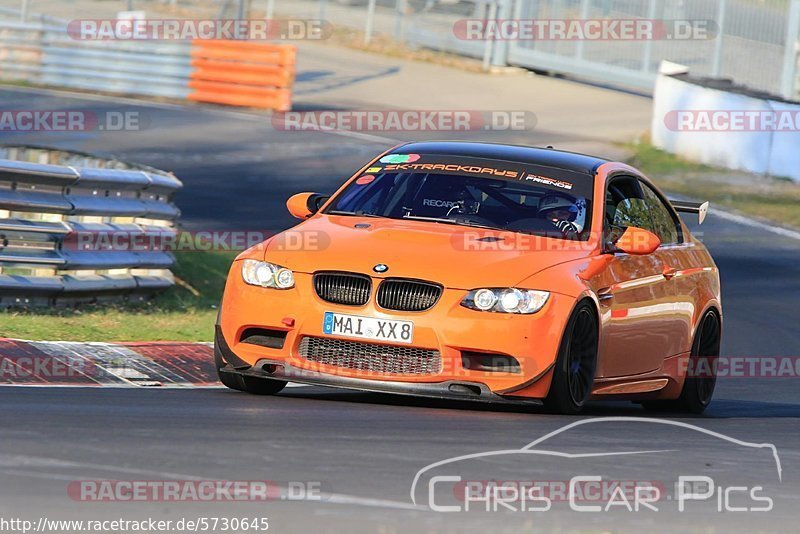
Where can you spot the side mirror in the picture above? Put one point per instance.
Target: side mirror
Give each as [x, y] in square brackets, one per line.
[637, 241]
[304, 205]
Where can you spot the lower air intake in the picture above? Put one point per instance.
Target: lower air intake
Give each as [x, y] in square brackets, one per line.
[372, 357]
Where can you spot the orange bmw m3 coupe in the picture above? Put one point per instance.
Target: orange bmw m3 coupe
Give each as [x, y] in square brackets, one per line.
[481, 272]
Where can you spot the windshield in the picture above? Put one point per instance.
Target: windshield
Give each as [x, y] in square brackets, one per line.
[534, 206]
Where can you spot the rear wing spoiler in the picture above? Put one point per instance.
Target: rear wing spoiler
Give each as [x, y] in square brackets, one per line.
[700, 208]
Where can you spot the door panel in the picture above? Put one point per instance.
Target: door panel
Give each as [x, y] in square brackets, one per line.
[689, 262]
[638, 296]
[636, 338]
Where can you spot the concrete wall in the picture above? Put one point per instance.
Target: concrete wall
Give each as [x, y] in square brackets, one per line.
[726, 129]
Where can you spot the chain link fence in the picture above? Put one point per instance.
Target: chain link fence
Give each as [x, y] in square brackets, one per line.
[757, 43]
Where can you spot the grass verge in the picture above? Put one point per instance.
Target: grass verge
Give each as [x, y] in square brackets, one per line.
[771, 199]
[185, 312]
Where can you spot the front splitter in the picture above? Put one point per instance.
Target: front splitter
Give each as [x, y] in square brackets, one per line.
[449, 390]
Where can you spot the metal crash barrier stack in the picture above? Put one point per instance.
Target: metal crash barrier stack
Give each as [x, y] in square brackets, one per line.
[74, 228]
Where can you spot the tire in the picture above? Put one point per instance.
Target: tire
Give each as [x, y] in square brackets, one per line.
[697, 391]
[575, 367]
[251, 384]
[229, 381]
[262, 386]
[248, 384]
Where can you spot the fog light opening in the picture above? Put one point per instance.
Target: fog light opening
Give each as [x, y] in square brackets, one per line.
[489, 362]
[264, 337]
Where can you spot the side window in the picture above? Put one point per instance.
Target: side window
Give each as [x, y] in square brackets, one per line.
[663, 224]
[631, 212]
[625, 205]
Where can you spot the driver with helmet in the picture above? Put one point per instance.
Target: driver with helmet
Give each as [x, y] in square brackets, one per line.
[562, 212]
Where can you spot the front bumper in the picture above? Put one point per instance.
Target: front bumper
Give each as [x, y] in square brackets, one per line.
[230, 365]
[449, 328]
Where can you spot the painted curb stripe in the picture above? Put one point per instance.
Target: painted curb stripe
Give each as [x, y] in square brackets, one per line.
[194, 362]
[41, 363]
[24, 363]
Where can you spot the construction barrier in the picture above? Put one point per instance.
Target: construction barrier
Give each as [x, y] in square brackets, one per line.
[242, 73]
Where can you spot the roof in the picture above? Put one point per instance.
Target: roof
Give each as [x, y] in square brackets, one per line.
[546, 157]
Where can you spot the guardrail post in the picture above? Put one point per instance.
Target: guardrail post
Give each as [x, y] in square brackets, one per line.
[647, 51]
[242, 13]
[790, 52]
[323, 9]
[23, 10]
[797, 79]
[370, 22]
[716, 64]
[500, 53]
[488, 46]
[583, 16]
[400, 8]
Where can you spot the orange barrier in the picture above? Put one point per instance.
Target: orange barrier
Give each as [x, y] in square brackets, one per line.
[243, 73]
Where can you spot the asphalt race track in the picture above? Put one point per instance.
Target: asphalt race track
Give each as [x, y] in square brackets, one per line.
[363, 449]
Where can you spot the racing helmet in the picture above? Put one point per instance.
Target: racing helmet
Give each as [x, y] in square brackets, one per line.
[550, 203]
[574, 210]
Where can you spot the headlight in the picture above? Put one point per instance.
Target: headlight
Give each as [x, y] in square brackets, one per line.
[506, 300]
[261, 273]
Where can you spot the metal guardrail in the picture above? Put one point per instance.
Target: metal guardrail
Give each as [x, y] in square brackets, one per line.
[17, 14]
[46, 210]
[45, 54]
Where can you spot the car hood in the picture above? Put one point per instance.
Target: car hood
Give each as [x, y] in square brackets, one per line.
[457, 257]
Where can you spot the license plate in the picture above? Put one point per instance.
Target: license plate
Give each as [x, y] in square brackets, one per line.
[339, 324]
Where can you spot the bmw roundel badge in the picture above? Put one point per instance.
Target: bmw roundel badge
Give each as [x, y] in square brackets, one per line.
[381, 268]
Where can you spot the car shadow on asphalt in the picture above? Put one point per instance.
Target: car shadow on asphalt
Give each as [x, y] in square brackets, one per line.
[312, 82]
[719, 409]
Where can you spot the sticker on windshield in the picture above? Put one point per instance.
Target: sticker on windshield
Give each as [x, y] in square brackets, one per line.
[548, 181]
[444, 167]
[366, 179]
[400, 158]
[574, 183]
